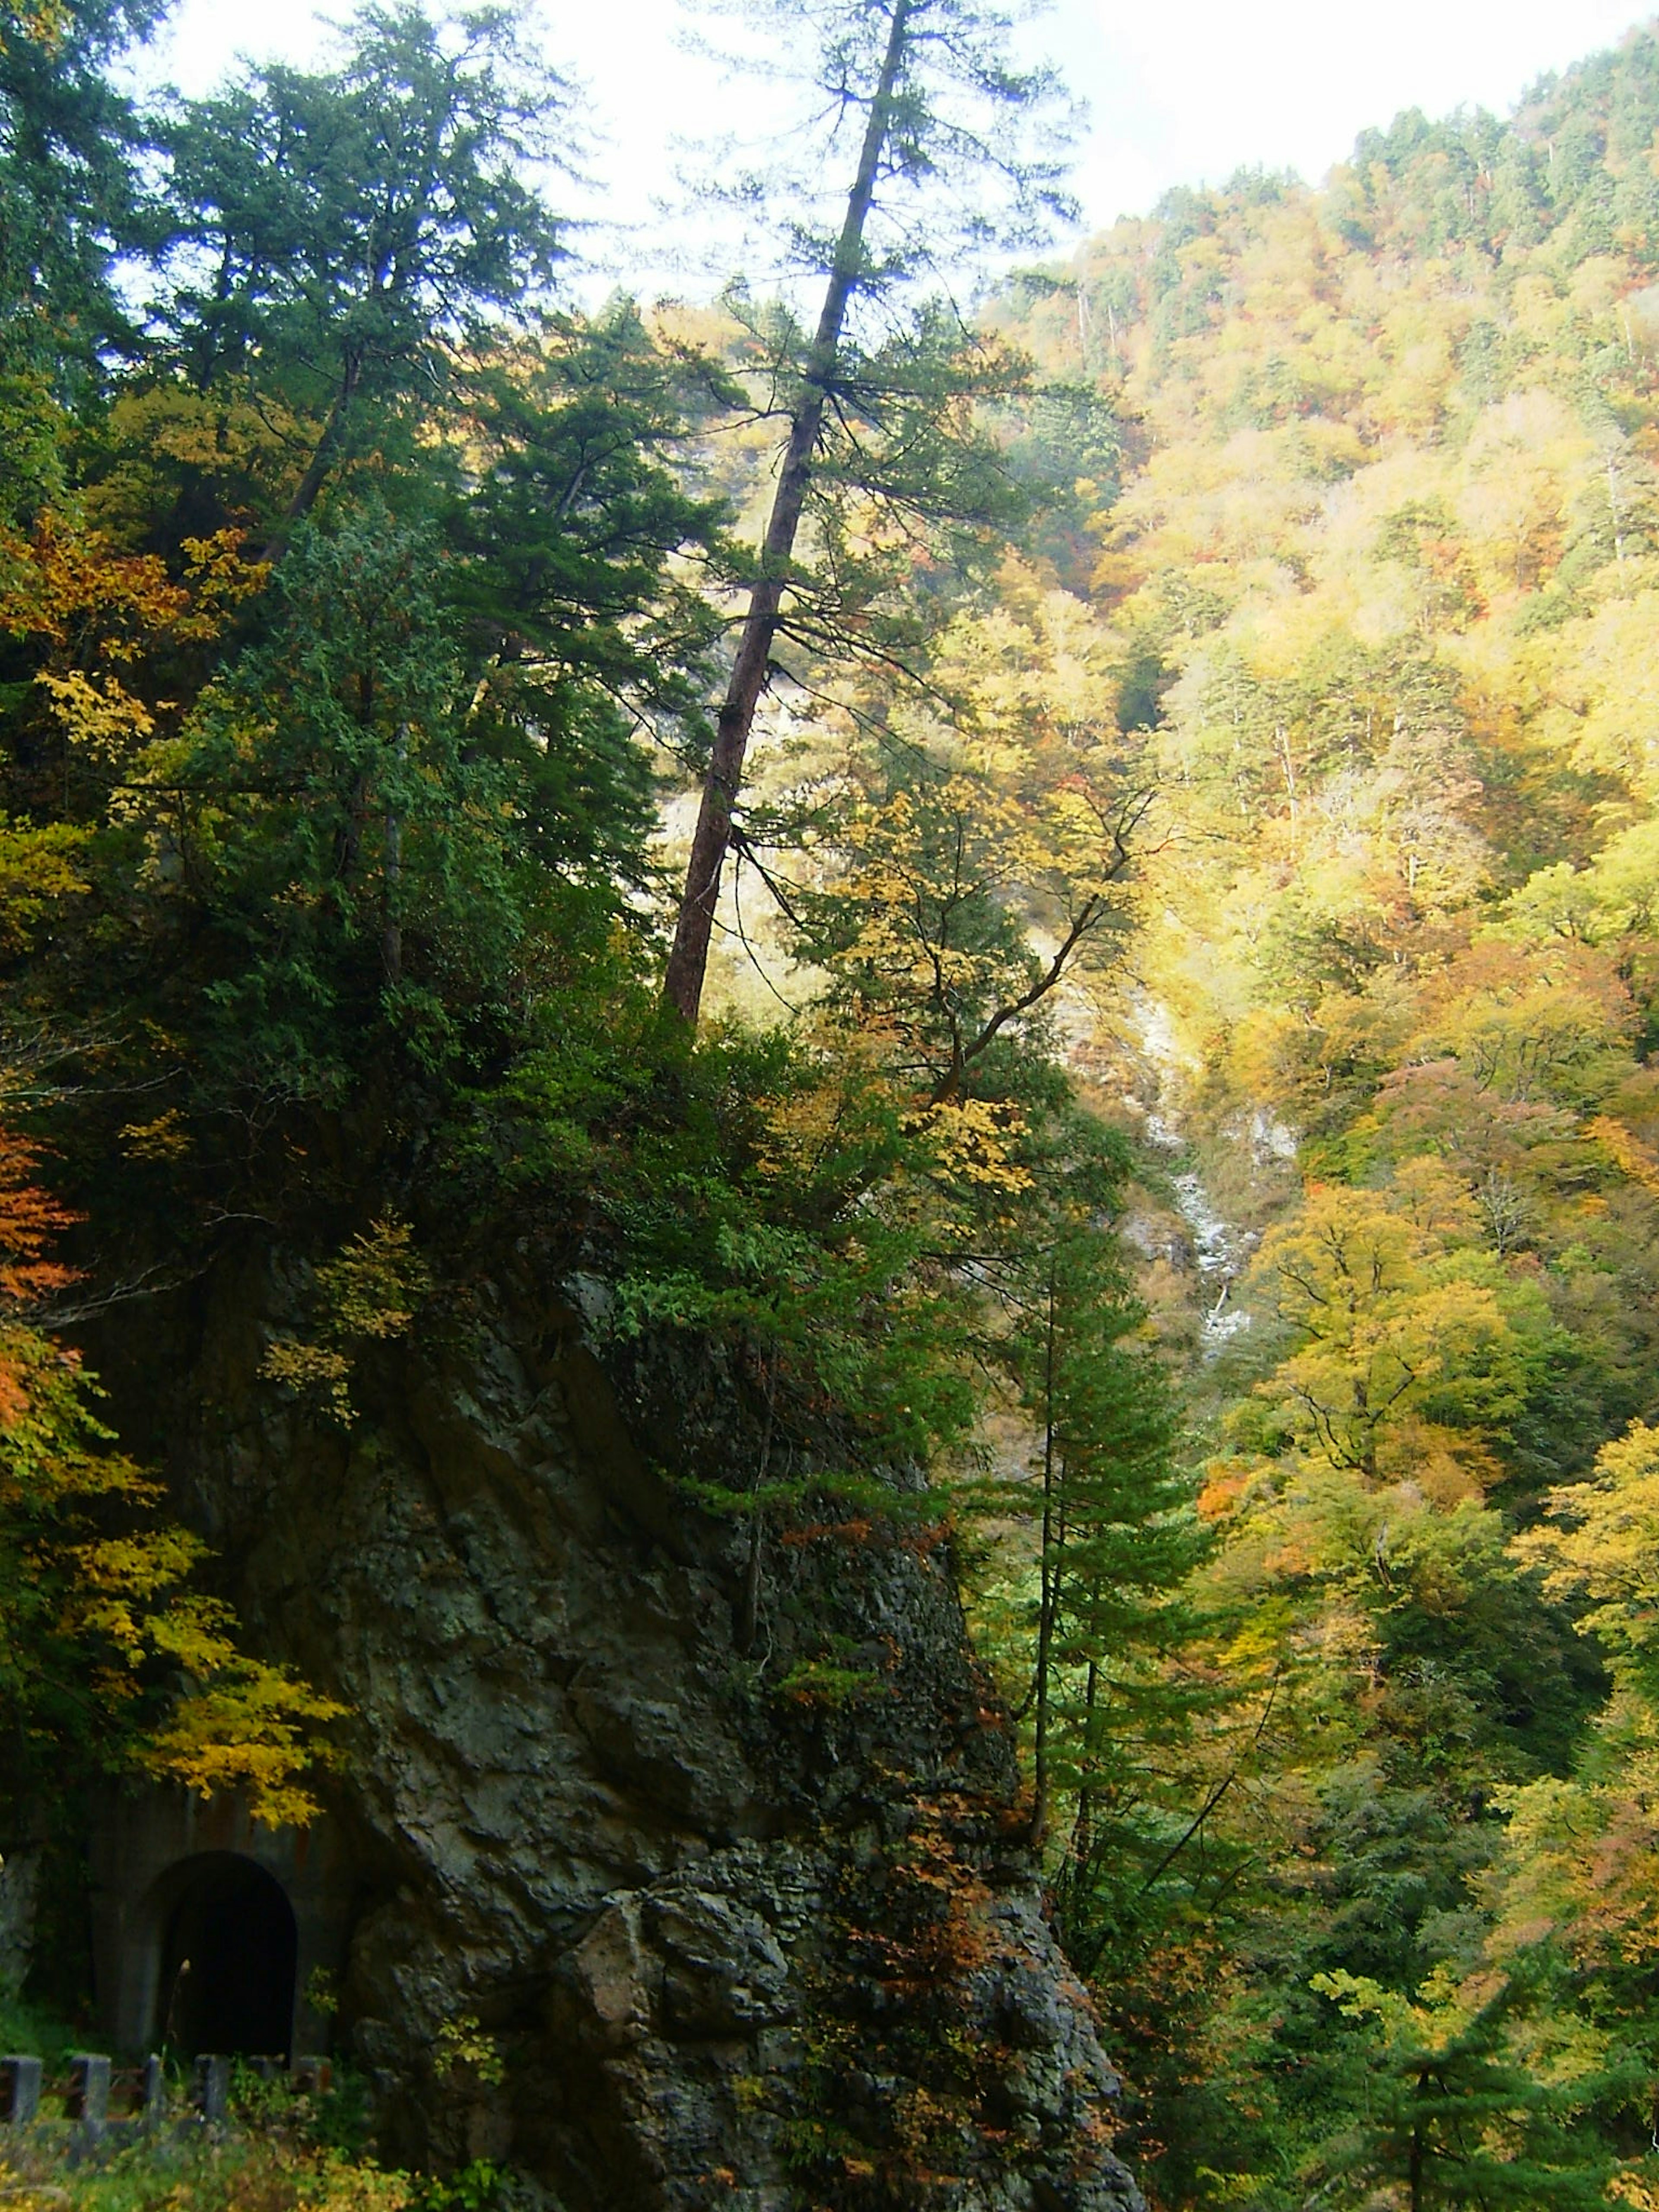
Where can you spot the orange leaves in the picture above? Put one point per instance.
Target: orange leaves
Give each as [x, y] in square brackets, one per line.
[72, 589]
[100, 619]
[30, 1217]
[1545, 1024]
[1225, 1485]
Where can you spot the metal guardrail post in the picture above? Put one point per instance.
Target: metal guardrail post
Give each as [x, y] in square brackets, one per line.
[211, 2087]
[19, 2089]
[87, 2101]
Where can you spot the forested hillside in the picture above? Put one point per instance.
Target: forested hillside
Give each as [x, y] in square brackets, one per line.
[1170, 1134]
[1380, 585]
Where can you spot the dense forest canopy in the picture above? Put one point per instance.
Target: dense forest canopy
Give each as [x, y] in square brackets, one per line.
[1175, 1068]
[1379, 587]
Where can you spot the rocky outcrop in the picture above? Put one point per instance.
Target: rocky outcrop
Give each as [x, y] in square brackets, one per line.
[20, 1880]
[663, 1921]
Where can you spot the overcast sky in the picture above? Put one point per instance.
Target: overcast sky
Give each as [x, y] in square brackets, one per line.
[1184, 92]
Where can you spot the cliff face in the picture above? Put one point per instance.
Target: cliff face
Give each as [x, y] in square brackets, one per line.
[664, 1922]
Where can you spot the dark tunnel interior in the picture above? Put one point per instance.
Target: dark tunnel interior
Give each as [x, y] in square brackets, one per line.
[228, 1961]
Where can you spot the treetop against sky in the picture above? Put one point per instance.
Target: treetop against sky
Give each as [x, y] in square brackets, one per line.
[1176, 95]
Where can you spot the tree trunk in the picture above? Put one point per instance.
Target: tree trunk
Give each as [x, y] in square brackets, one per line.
[688, 960]
[317, 468]
[1047, 1595]
[1082, 1829]
[1414, 2171]
[392, 934]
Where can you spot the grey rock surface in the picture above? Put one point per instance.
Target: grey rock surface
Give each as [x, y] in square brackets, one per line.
[723, 1940]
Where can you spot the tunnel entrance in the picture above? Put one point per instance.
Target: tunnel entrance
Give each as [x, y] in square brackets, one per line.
[228, 1961]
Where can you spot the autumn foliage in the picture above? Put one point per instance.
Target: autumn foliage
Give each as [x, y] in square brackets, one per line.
[104, 1645]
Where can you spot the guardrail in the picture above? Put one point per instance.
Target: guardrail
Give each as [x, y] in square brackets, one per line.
[95, 2097]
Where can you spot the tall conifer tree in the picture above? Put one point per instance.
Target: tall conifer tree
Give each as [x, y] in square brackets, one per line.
[953, 157]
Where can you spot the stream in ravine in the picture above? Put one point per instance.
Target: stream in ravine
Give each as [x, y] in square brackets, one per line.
[1220, 1249]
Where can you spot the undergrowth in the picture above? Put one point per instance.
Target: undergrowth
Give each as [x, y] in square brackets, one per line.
[281, 2151]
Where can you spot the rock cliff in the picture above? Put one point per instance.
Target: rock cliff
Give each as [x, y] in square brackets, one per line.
[663, 1922]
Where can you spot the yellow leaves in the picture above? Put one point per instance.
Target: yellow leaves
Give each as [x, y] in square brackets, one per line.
[220, 580]
[99, 620]
[850, 1091]
[1627, 1150]
[936, 880]
[98, 712]
[1583, 1854]
[45, 23]
[1615, 895]
[973, 1140]
[1407, 1356]
[798, 1127]
[368, 1293]
[1609, 675]
[38, 867]
[230, 441]
[1427, 1193]
[245, 1726]
[1581, 1861]
[372, 1288]
[262, 2162]
[1441, 2014]
[93, 1604]
[312, 1368]
[163, 1139]
[1537, 1886]
[1033, 681]
[463, 2045]
[1525, 455]
[137, 1566]
[337, 2182]
[239, 1724]
[117, 1577]
[1345, 1251]
[1605, 1545]
[1365, 1546]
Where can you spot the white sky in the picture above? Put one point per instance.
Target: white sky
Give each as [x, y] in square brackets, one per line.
[1179, 93]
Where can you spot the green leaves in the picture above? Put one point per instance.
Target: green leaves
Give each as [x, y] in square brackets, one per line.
[357, 225]
[1453, 2110]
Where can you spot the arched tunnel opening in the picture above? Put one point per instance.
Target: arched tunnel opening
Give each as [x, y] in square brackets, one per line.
[228, 1961]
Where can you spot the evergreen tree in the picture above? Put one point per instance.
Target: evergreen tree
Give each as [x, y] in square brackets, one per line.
[351, 233]
[70, 197]
[1452, 2112]
[928, 90]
